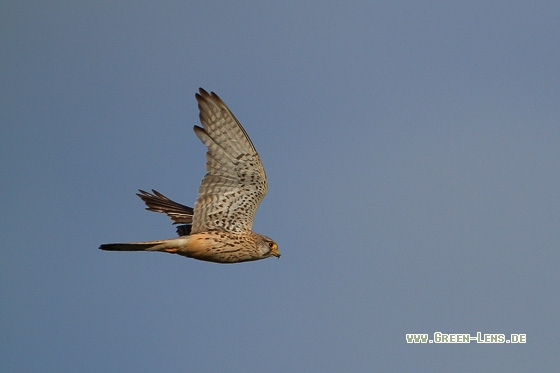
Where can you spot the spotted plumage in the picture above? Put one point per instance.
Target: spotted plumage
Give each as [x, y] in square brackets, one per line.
[218, 229]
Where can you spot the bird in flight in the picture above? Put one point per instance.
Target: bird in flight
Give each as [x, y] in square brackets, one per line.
[218, 229]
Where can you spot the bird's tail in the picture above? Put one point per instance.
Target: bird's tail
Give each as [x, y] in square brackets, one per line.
[171, 246]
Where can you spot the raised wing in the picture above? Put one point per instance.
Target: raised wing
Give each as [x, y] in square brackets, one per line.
[235, 182]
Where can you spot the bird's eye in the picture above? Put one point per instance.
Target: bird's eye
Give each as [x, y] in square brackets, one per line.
[271, 245]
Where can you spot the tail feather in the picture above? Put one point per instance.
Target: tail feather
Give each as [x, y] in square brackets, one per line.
[129, 246]
[171, 245]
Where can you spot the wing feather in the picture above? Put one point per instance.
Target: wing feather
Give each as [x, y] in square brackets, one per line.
[157, 202]
[235, 181]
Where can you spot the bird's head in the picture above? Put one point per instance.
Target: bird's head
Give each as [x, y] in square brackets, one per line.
[268, 247]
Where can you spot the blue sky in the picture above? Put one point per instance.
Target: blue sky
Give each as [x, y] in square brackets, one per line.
[412, 152]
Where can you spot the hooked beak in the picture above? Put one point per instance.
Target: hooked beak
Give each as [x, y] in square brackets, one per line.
[276, 253]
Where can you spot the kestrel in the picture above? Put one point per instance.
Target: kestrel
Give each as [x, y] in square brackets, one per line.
[219, 228]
